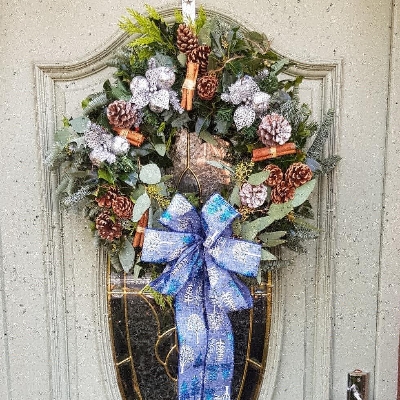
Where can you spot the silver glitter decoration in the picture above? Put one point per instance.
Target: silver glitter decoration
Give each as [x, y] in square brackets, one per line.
[154, 89]
[119, 146]
[252, 102]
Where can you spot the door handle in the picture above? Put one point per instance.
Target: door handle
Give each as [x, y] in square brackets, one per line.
[357, 385]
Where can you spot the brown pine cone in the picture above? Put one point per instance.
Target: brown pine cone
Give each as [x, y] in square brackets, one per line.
[123, 207]
[282, 192]
[107, 199]
[107, 228]
[186, 40]
[200, 55]
[275, 175]
[122, 114]
[298, 174]
[207, 86]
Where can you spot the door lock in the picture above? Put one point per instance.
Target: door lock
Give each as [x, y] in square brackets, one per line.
[357, 385]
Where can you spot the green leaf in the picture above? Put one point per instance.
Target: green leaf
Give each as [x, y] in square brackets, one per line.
[234, 198]
[150, 174]
[127, 255]
[303, 192]
[138, 192]
[220, 165]
[201, 124]
[278, 211]
[79, 124]
[136, 270]
[160, 148]
[181, 120]
[63, 136]
[141, 205]
[250, 229]
[271, 239]
[201, 19]
[182, 59]
[267, 256]
[258, 178]
[208, 137]
[106, 175]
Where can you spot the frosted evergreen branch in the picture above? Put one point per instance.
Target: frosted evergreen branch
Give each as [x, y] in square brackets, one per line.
[98, 100]
[328, 164]
[317, 147]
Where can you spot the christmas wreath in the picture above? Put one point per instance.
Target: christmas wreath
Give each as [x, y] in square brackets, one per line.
[198, 155]
[218, 87]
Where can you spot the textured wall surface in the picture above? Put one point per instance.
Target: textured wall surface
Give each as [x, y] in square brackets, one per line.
[332, 315]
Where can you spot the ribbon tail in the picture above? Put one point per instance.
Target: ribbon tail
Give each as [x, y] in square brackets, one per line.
[220, 351]
[192, 339]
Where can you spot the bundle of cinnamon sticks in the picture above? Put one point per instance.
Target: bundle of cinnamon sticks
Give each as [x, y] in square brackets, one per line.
[135, 138]
[189, 85]
[266, 153]
[139, 234]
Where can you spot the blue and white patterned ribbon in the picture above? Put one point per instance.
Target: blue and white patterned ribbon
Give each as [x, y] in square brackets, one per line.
[202, 260]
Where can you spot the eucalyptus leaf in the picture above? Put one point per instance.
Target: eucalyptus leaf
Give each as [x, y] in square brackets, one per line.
[79, 124]
[234, 198]
[136, 271]
[131, 179]
[160, 148]
[250, 229]
[63, 136]
[182, 59]
[141, 205]
[201, 124]
[208, 137]
[303, 192]
[258, 178]
[278, 211]
[127, 255]
[138, 192]
[150, 174]
[267, 256]
[220, 165]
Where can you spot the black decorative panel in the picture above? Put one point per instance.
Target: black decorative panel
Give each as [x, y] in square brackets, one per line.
[144, 342]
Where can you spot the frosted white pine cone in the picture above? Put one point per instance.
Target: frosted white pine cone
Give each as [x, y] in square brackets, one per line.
[253, 196]
[274, 129]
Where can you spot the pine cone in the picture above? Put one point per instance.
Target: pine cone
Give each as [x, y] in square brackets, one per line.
[298, 174]
[186, 40]
[107, 199]
[274, 129]
[282, 193]
[122, 114]
[122, 207]
[253, 196]
[207, 86]
[107, 228]
[200, 55]
[275, 175]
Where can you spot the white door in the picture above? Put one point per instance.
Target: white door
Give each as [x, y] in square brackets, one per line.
[335, 310]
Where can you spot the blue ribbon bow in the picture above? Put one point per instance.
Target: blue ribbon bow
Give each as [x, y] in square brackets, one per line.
[201, 256]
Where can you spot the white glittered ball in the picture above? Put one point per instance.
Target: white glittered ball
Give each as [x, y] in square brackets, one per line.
[140, 89]
[120, 145]
[261, 102]
[159, 101]
[244, 116]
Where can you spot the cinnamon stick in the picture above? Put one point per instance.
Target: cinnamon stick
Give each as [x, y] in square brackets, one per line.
[135, 138]
[139, 234]
[266, 153]
[189, 85]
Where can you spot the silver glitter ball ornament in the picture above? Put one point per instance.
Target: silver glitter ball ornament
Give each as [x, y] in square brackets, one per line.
[261, 102]
[140, 89]
[243, 116]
